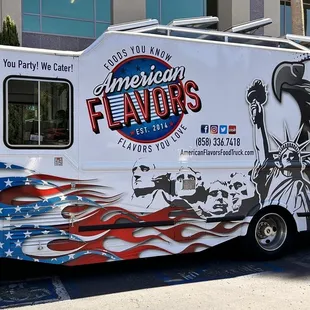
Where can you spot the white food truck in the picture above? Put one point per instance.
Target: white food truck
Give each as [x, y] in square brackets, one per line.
[155, 140]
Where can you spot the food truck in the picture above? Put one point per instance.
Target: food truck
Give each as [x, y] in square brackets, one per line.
[155, 140]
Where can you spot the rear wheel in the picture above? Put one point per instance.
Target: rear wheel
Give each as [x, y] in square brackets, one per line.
[270, 235]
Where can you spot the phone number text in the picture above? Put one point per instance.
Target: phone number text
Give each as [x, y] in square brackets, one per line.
[205, 141]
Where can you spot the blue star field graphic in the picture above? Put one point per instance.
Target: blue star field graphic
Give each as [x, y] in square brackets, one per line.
[157, 129]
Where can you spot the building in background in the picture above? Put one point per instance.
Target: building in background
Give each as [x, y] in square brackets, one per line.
[75, 24]
[286, 17]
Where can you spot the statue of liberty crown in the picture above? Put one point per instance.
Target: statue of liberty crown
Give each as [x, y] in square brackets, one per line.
[293, 144]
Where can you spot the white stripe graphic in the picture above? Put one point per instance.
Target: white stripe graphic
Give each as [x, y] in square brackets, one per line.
[117, 106]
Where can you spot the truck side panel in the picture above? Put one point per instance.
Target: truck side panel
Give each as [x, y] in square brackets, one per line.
[176, 144]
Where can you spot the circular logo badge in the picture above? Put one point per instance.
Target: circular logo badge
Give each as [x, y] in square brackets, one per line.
[150, 104]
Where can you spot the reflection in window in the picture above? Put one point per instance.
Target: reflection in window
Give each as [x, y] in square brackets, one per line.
[38, 113]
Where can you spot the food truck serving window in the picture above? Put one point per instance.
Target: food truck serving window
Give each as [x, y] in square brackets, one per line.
[38, 113]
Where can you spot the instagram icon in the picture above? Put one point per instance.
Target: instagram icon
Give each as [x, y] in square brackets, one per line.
[214, 129]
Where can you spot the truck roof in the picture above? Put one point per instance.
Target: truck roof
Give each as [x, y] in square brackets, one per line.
[197, 29]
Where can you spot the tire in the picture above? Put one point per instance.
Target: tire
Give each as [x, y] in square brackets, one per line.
[270, 235]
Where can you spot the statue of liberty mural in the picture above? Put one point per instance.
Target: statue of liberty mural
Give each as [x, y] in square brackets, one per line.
[278, 174]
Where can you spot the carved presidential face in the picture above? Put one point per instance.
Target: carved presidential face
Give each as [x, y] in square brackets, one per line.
[187, 182]
[240, 188]
[218, 199]
[143, 175]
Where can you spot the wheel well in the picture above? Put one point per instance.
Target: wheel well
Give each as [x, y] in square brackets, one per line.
[281, 211]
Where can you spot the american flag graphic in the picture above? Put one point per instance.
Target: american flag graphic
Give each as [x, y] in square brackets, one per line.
[41, 222]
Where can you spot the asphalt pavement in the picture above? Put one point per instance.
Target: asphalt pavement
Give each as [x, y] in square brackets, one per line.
[215, 279]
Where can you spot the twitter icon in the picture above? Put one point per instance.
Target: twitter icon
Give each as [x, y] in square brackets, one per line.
[223, 129]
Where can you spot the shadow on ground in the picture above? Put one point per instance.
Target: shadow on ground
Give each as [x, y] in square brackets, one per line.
[225, 261]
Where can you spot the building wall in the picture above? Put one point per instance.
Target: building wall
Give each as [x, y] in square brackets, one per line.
[272, 10]
[126, 11]
[230, 12]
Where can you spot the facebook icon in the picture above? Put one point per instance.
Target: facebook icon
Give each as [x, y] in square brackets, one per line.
[204, 129]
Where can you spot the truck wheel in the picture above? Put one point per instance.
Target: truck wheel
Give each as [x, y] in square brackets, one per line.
[270, 235]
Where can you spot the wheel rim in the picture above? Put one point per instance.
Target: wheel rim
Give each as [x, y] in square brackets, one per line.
[271, 232]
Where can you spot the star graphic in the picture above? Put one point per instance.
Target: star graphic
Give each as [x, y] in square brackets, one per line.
[45, 232]
[27, 216]
[171, 124]
[1, 210]
[71, 256]
[132, 133]
[17, 209]
[9, 253]
[36, 207]
[8, 218]
[62, 198]
[27, 182]
[8, 236]
[36, 260]
[27, 234]
[8, 182]
[79, 198]
[8, 166]
[1, 245]
[18, 243]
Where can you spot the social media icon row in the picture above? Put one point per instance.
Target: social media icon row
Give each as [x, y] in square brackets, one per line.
[219, 129]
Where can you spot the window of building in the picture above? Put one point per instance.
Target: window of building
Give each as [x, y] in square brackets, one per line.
[38, 113]
[78, 18]
[286, 17]
[167, 10]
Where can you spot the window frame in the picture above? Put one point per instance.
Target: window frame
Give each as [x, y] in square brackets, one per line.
[94, 21]
[6, 112]
[160, 8]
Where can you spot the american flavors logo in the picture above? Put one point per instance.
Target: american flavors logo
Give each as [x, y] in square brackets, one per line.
[144, 99]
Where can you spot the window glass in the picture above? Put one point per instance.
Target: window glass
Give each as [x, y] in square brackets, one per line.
[31, 6]
[38, 113]
[101, 28]
[31, 23]
[307, 19]
[68, 27]
[103, 10]
[288, 19]
[153, 9]
[22, 112]
[67, 17]
[79, 9]
[54, 113]
[282, 18]
[174, 9]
